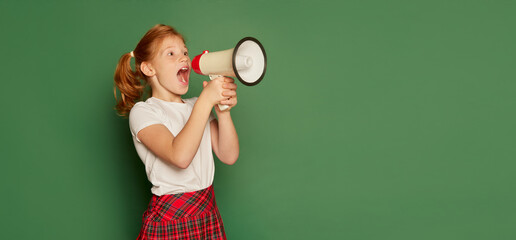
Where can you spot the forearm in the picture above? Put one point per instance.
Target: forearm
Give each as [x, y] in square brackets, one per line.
[228, 139]
[187, 141]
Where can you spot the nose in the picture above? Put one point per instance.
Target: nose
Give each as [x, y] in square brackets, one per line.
[183, 58]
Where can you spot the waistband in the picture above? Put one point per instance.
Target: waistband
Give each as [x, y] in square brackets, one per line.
[175, 206]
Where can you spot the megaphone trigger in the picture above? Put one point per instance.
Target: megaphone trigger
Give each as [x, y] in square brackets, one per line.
[214, 76]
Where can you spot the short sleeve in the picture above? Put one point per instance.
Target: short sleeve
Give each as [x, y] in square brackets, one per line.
[142, 116]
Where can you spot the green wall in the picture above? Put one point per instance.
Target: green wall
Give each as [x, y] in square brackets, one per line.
[376, 119]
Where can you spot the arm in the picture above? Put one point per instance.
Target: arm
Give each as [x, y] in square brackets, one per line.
[224, 137]
[181, 149]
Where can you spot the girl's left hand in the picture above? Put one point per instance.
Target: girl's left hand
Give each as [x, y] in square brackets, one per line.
[229, 92]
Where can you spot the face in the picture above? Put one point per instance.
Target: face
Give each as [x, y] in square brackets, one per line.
[170, 69]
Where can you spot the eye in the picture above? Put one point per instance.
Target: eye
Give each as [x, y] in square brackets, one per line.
[186, 53]
[170, 53]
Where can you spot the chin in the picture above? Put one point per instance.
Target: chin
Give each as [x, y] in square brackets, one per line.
[183, 91]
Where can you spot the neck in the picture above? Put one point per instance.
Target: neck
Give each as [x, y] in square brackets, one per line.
[161, 93]
[168, 98]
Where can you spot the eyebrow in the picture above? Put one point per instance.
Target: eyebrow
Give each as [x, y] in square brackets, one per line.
[167, 47]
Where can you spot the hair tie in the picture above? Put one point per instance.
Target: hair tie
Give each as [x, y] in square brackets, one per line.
[132, 54]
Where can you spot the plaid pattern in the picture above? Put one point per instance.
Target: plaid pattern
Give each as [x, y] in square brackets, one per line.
[183, 216]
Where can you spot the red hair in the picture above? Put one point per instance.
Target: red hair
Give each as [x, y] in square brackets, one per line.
[129, 82]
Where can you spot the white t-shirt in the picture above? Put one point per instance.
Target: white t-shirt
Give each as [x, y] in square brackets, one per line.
[165, 177]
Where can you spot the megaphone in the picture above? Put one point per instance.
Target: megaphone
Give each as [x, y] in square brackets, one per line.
[246, 61]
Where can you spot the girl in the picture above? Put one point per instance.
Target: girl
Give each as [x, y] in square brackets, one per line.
[174, 137]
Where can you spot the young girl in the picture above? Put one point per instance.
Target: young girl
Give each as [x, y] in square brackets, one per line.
[174, 137]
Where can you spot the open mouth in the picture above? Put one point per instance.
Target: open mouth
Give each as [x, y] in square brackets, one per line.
[183, 75]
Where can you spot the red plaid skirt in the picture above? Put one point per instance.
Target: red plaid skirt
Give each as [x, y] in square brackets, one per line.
[183, 216]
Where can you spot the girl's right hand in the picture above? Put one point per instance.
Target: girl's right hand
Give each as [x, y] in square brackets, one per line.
[213, 90]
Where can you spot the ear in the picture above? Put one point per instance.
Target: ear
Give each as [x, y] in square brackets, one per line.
[147, 69]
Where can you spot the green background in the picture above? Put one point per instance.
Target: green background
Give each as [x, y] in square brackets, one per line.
[375, 120]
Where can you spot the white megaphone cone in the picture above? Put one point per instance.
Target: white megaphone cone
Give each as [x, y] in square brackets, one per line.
[247, 62]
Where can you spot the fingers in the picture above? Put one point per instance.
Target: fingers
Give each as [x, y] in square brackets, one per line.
[229, 80]
[225, 88]
[224, 79]
[230, 86]
[227, 83]
[231, 102]
[229, 93]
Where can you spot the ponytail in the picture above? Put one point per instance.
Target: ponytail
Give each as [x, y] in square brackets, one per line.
[129, 81]
[129, 85]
